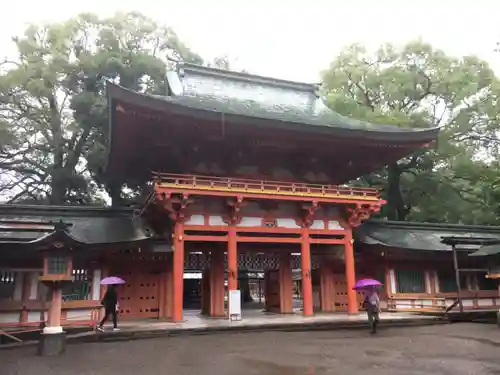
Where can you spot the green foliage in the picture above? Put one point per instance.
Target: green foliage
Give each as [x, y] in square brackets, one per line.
[53, 124]
[419, 86]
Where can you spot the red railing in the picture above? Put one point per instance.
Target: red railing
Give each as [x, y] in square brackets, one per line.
[14, 329]
[263, 187]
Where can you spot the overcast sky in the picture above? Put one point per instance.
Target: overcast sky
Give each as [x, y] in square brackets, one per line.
[290, 39]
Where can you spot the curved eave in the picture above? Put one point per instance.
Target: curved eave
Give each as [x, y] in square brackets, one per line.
[488, 250]
[50, 238]
[69, 242]
[426, 236]
[175, 107]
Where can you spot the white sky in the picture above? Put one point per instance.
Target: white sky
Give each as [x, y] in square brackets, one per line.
[290, 39]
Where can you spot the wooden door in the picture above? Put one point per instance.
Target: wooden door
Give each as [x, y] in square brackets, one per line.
[272, 290]
[340, 291]
[139, 297]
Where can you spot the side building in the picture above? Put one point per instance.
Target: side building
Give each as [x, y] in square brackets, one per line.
[418, 270]
[43, 248]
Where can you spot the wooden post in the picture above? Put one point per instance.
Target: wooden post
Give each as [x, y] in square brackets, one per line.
[178, 272]
[457, 278]
[305, 253]
[327, 291]
[217, 284]
[285, 279]
[25, 296]
[350, 273]
[232, 260]
[102, 290]
[260, 290]
[166, 290]
[54, 315]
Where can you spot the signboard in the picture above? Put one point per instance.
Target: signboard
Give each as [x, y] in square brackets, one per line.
[234, 305]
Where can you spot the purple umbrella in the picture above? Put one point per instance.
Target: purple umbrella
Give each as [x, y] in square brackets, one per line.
[112, 280]
[366, 283]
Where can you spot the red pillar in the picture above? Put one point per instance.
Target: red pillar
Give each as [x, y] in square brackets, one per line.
[166, 290]
[232, 261]
[306, 273]
[178, 272]
[350, 273]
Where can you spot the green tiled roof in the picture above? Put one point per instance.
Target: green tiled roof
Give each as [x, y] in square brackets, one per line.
[421, 236]
[281, 103]
[86, 225]
[313, 114]
[487, 250]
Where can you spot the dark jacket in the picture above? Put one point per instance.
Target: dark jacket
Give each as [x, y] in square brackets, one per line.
[110, 299]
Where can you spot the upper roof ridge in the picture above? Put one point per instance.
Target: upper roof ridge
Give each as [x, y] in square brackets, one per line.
[183, 68]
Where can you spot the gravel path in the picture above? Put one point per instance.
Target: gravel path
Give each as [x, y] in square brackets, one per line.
[449, 349]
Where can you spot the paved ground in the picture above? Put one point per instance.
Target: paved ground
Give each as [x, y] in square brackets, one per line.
[448, 349]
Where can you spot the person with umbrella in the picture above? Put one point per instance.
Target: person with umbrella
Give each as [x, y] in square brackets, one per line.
[110, 302]
[372, 300]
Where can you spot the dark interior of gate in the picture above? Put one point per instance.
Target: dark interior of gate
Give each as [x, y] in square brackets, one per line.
[269, 281]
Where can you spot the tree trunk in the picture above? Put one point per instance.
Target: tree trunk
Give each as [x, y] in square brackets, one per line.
[114, 191]
[57, 189]
[396, 208]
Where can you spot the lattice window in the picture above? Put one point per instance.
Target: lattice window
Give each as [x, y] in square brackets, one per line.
[447, 282]
[198, 262]
[484, 283]
[7, 284]
[380, 276]
[81, 287]
[57, 264]
[410, 281]
[195, 262]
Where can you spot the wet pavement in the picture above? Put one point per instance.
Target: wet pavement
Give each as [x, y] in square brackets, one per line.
[445, 349]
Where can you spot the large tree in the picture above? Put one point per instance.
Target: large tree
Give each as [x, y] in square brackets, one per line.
[53, 123]
[419, 86]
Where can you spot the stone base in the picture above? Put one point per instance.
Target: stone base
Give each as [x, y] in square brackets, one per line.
[52, 344]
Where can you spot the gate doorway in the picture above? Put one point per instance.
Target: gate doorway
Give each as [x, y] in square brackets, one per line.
[192, 291]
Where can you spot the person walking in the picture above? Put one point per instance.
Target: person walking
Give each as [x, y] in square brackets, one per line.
[110, 303]
[372, 305]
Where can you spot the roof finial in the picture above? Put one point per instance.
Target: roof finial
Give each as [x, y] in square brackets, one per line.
[60, 226]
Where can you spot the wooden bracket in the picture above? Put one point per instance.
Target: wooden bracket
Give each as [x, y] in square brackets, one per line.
[309, 211]
[361, 212]
[176, 206]
[235, 206]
